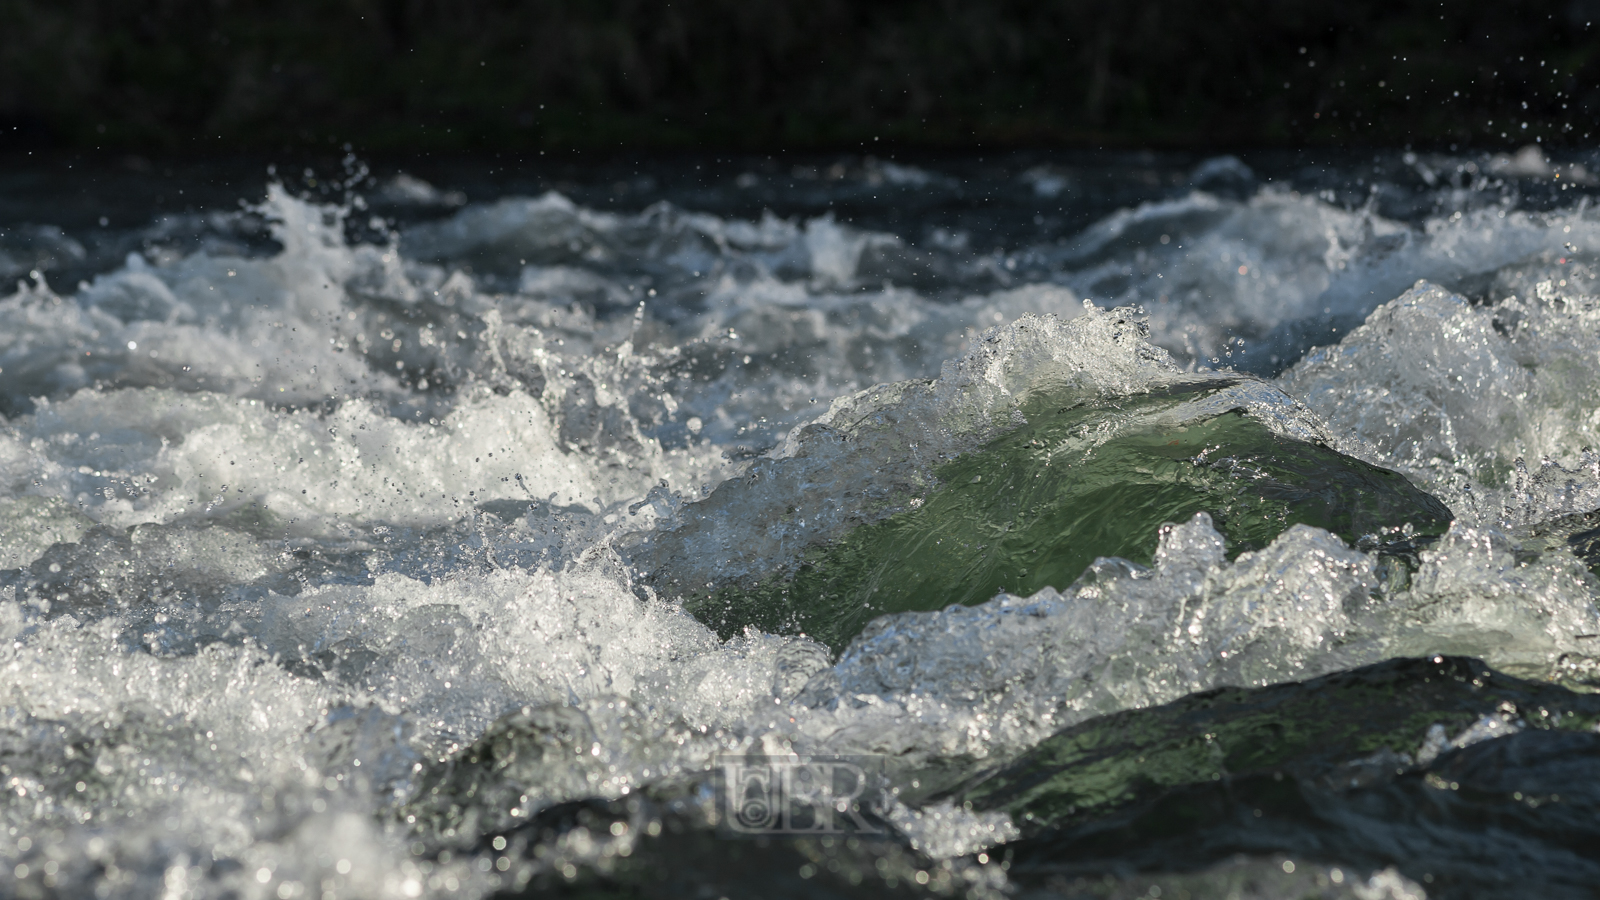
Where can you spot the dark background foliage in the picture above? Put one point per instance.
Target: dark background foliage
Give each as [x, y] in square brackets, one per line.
[211, 76]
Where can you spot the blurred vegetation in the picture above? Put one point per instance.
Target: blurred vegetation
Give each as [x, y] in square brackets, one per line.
[214, 75]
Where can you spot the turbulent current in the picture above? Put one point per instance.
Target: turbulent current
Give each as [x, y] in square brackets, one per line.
[1134, 531]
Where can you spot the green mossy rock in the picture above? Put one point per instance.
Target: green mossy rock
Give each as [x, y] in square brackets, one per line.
[1036, 506]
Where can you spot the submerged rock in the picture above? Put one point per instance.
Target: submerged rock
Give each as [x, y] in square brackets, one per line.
[1406, 772]
[1034, 507]
[1403, 764]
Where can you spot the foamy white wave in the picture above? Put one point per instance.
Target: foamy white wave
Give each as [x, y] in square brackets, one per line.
[1462, 396]
[1251, 284]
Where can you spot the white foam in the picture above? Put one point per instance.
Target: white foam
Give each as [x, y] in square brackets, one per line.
[155, 455]
[1458, 395]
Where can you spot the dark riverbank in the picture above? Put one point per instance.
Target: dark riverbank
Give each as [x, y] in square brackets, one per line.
[195, 76]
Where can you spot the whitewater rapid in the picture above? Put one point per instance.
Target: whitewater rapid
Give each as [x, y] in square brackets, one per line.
[284, 531]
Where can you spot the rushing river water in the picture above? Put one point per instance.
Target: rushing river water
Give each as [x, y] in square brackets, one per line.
[392, 542]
